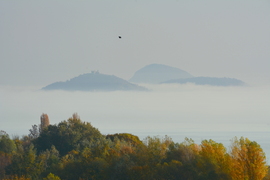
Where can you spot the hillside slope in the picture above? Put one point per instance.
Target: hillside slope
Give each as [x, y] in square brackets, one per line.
[95, 82]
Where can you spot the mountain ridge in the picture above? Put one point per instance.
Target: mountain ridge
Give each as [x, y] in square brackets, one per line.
[150, 74]
[212, 81]
[163, 74]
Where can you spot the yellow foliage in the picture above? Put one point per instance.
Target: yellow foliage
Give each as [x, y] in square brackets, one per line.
[249, 161]
[214, 154]
[51, 177]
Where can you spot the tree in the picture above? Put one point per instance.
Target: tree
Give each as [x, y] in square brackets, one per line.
[24, 163]
[129, 138]
[51, 177]
[214, 162]
[34, 132]
[7, 147]
[44, 121]
[95, 169]
[249, 161]
[5, 160]
[17, 178]
[6, 144]
[187, 154]
[157, 148]
[48, 161]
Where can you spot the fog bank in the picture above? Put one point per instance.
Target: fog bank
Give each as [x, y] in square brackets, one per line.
[179, 111]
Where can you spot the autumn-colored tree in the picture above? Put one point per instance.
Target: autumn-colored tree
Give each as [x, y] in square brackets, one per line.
[15, 177]
[214, 162]
[44, 121]
[147, 156]
[267, 177]
[51, 177]
[157, 148]
[93, 167]
[184, 152]
[187, 154]
[249, 161]
[130, 138]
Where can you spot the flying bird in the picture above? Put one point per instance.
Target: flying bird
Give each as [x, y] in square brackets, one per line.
[119, 37]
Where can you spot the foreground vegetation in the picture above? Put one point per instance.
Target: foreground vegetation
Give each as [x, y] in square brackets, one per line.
[74, 149]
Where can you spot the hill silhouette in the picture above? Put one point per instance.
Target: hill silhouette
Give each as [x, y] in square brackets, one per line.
[157, 73]
[163, 74]
[95, 82]
[213, 81]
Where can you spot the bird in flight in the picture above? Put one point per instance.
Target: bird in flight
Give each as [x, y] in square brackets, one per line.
[119, 37]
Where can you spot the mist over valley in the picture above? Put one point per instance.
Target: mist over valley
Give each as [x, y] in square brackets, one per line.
[179, 111]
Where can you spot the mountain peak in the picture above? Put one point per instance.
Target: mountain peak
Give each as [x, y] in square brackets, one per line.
[157, 73]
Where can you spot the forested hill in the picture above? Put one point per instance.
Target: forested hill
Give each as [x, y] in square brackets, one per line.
[212, 81]
[95, 82]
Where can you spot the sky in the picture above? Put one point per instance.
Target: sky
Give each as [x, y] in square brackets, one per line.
[42, 42]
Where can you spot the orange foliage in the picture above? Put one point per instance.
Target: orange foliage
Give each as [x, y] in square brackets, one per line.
[16, 178]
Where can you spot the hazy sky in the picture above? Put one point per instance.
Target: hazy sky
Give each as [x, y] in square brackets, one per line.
[46, 41]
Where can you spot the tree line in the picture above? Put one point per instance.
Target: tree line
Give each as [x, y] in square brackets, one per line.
[75, 150]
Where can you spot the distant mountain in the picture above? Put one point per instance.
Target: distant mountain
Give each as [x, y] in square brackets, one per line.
[213, 81]
[157, 73]
[95, 82]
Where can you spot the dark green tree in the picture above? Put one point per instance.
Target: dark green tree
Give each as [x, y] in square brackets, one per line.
[69, 135]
